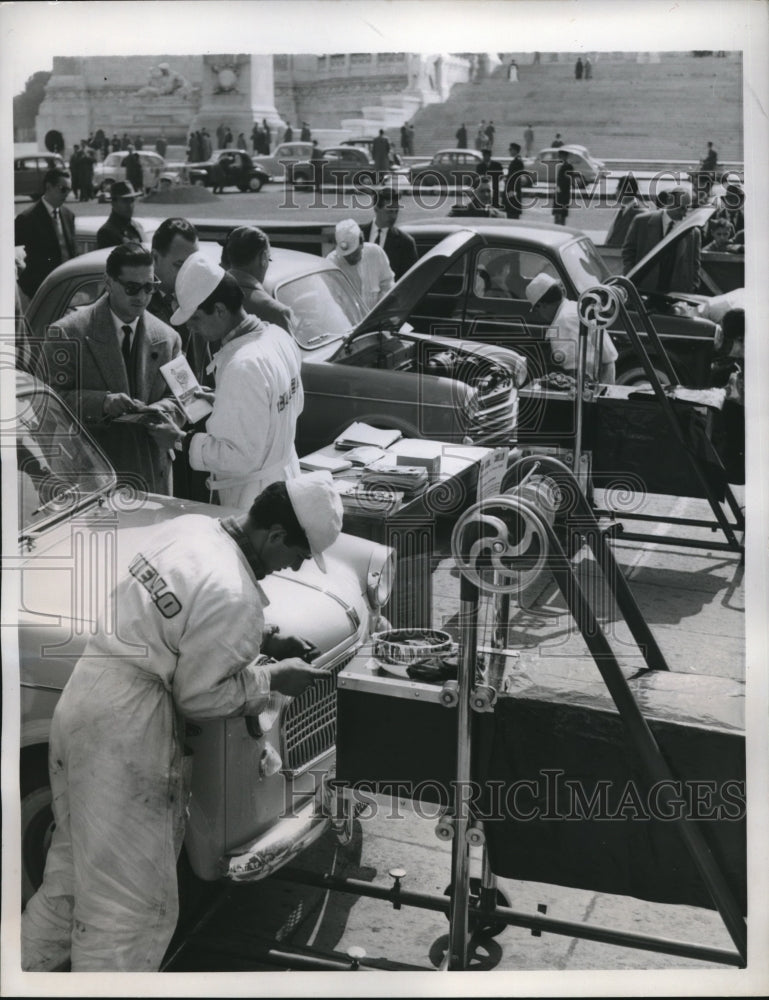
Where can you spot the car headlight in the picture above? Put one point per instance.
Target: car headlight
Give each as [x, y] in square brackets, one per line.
[380, 579]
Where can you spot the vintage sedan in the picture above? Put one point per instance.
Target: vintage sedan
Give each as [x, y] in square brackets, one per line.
[68, 506]
[229, 168]
[282, 157]
[452, 168]
[112, 168]
[586, 167]
[353, 367]
[29, 171]
[343, 166]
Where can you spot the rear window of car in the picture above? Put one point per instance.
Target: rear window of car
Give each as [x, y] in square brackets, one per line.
[324, 305]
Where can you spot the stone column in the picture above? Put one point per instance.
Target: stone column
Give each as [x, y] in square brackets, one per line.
[237, 90]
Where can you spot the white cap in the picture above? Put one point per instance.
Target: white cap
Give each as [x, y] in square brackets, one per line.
[347, 236]
[538, 285]
[197, 278]
[318, 508]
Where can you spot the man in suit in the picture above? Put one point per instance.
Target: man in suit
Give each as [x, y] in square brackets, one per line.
[514, 183]
[678, 269]
[400, 248]
[120, 227]
[46, 231]
[246, 256]
[104, 360]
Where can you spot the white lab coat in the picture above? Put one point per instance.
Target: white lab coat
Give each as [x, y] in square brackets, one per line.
[192, 606]
[249, 439]
[372, 276]
[563, 336]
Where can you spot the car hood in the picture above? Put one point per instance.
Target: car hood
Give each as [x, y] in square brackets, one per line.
[694, 220]
[394, 309]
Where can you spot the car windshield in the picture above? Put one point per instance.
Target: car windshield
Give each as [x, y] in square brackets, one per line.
[584, 264]
[325, 306]
[59, 467]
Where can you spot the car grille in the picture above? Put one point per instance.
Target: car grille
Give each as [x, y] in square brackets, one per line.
[309, 723]
[495, 414]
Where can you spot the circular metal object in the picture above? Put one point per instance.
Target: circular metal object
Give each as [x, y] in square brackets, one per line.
[600, 304]
[402, 648]
[500, 545]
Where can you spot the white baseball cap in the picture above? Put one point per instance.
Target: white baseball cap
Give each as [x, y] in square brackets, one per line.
[538, 285]
[197, 278]
[347, 235]
[318, 508]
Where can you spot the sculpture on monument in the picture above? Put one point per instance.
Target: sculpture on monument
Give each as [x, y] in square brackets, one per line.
[227, 74]
[163, 82]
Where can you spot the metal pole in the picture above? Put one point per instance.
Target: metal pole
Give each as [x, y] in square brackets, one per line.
[460, 850]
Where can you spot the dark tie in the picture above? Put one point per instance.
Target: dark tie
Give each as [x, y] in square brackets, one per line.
[60, 238]
[126, 348]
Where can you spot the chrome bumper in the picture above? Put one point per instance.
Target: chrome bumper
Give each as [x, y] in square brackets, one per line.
[278, 846]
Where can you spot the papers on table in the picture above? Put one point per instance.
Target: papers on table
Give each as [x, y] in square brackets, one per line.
[331, 463]
[359, 433]
[409, 478]
[359, 499]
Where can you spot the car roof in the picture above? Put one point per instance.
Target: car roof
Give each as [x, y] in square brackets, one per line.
[459, 149]
[285, 264]
[538, 234]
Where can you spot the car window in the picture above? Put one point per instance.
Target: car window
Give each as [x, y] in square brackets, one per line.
[324, 305]
[498, 274]
[584, 264]
[28, 163]
[58, 466]
[444, 158]
[84, 294]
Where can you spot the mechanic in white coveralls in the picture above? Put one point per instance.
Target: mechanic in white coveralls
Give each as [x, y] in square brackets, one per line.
[249, 438]
[191, 600]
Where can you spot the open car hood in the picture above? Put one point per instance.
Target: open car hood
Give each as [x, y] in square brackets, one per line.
[395, 308]
[694, 220]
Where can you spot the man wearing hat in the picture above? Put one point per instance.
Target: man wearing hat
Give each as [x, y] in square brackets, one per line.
[514, 183]
[246, 255]
[119, 227]
[249, 438]
[365, 264]
[551, 308]
[400, 248]
[192, 604]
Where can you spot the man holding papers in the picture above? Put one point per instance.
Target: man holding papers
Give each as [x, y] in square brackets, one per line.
[249, 438]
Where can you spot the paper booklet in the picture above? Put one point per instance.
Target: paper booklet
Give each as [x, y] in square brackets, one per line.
[183, 384]
[359, 433]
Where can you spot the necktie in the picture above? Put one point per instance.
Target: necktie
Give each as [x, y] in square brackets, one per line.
[380, 238]
[126, 348]
[57, 225]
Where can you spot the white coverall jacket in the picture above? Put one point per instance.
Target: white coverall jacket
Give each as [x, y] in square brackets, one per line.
[249, 439]
[119, 777]
[563, 336]
[372, 276]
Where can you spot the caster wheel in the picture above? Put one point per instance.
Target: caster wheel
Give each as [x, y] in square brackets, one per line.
[483, 926]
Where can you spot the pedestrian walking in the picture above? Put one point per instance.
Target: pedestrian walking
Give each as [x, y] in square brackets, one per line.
[461, 137]
[578, 69]
[528, 140]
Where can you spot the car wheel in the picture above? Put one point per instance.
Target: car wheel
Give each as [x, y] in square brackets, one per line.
[37, 823]
[300, 179]
[165, 184]
[635, 375]
[198, 182]
[255, 183]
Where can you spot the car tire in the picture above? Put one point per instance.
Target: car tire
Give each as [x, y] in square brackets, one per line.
[255, 183]
[198, 182]
[37, 821]
[635, 375]
[301, 179]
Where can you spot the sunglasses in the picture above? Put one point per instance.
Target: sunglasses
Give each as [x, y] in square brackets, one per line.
[134, 287]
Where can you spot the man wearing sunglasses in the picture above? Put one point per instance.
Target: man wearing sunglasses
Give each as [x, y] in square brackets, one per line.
[46, 231]
[104, 360]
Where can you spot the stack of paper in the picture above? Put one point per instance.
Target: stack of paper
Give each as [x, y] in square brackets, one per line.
[409, 478]
[359, 499]
[359, 433]
[317, 460]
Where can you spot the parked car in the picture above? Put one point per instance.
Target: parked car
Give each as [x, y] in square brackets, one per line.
[29, 171]
[451, 168]
[67, 498]
[367, 143]
[426, 386]
[112, 169]
[283, 156]
[342, 166]
[239, 170]
[460, 304]
[542, 167]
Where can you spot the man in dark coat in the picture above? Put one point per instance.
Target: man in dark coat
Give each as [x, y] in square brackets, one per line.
[400, 248]
[678, 269]
[46, 231]
[514, 183]
[380, 151]
[120, 227]
[104, 360]
[461, 137]
[132, 165]
[563, 187]
[246, 256]
[74, 170]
